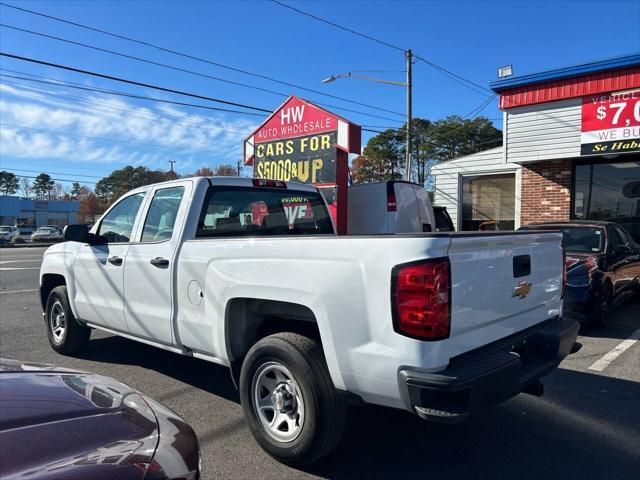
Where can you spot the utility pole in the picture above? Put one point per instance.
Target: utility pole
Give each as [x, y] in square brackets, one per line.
[238, 167]
[408, 85]
[172, 173]
[407, 173]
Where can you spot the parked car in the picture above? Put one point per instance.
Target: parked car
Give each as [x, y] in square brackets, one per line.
[59, 423]
[9, 234]
[631, 224]
[249, 273]
[389, 207]
[47, 233]
[603, 267]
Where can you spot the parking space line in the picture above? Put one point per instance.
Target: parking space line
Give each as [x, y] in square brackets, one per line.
[611, 355]
[19, 291]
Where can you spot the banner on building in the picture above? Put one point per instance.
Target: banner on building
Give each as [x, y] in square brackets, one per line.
[610, 123]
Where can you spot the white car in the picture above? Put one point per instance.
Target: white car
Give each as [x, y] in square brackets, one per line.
[46, 233]
[9, 234]
[250, 274]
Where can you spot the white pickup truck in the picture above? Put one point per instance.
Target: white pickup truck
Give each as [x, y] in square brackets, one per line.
[250, 274]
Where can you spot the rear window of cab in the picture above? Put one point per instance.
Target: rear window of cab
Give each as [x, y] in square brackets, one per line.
[247, 211]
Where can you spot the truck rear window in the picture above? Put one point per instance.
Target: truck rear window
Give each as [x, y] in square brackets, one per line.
[246, 211]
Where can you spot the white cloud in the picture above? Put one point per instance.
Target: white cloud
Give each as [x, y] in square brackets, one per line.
[57, 123]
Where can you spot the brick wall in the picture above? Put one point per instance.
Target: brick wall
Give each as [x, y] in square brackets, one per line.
[546, 191]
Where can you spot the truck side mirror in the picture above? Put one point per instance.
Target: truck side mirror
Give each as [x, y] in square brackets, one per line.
[76, 233]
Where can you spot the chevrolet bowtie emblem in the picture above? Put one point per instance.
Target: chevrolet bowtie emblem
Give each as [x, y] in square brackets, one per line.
[521, 290]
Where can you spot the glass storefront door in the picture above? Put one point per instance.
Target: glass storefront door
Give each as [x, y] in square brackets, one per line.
[609, 191]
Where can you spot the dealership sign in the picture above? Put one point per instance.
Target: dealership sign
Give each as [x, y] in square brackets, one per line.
[301, 142]
[308, 159]
[610, 123]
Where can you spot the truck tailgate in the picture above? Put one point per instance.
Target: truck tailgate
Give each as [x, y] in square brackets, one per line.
[502, 283]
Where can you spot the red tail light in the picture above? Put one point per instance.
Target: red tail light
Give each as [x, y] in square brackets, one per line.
[391, 203]
[421, 299]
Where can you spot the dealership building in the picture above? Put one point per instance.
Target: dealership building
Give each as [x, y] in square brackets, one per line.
[29, 214]
[571, 150]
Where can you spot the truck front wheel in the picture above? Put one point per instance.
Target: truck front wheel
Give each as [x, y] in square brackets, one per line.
[66, 335]
[289, 401]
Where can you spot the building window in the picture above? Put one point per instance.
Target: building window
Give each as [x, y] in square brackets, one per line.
[60, 219]
[488, 202]
[609, 191]
[27, 219]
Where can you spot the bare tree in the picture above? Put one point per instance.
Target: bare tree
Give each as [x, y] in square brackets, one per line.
[25, 187]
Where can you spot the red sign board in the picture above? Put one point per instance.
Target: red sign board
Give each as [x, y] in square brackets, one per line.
[301, 142]
[295, 119]
[611, 123]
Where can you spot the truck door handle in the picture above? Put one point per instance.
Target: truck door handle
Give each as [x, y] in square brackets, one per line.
[115, 260]
[160, 262]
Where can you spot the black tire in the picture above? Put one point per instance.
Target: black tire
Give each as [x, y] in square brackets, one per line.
[74, 337]
[324, 408]
[602, 307]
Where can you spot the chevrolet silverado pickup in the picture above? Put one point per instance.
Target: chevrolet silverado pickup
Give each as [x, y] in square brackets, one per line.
[250, 274]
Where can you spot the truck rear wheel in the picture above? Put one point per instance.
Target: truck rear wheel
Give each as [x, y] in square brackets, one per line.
[66, 335]
[289, 401]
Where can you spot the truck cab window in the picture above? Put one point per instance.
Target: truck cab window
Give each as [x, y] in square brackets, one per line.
[117, 225]
[162, 214]
[241, 211]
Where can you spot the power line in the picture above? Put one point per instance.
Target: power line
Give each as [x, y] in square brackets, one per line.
[193, 57]
[54, 173]
[130, 95]
[91, 102]
[89, 105]
[366, 128]
[90, 182]
[57, 179]
[131, 82]
[179, 69]
[142, 97]
[346, 29]
[155, 145]
[476, 111]
[437, 145]
[387, 44]
[140, 59]
[454, 75]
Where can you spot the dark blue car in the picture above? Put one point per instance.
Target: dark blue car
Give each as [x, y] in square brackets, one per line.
[602, 264]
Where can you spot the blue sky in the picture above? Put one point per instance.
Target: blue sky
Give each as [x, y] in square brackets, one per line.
[69, 133]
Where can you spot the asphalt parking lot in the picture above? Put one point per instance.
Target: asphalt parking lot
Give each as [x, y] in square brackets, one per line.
[587, 424]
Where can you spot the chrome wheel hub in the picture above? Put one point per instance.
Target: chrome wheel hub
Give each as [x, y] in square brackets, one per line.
[278, 402]
[57, 322]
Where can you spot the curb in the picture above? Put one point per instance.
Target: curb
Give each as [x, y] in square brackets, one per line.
[27, 245]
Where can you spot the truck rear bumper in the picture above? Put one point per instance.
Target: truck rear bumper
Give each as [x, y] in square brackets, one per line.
[490, 374]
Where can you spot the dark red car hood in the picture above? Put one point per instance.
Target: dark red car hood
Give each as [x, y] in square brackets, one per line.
[59, 423]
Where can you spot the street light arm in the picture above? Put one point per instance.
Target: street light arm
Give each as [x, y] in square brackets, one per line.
[369, 79]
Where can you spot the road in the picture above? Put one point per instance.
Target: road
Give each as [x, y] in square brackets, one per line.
[587, 425]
